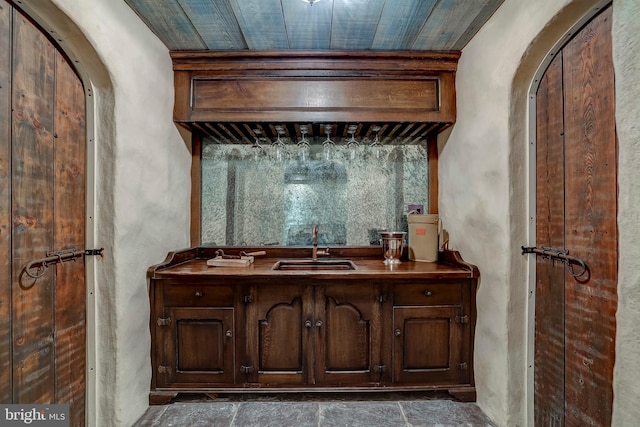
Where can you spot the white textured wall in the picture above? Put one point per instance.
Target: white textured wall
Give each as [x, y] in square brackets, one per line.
[626, 59]
[142, 185]
[484, 192]
[143, 189]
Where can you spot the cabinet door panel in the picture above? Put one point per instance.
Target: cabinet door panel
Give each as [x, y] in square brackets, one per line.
[348, 336]
[199, 347]
[277, 336]
[348, 347]
[280, 338]
[428, 345]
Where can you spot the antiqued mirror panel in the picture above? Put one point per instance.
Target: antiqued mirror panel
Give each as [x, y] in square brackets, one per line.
[272, 194]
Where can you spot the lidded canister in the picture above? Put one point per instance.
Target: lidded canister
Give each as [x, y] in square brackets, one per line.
[423, 237]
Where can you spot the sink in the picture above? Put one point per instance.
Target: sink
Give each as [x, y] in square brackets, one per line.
[309, 264]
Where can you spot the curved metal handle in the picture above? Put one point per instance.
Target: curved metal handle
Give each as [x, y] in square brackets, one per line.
[428, 293]
[558, 254]
[307, 324]
[41, 265]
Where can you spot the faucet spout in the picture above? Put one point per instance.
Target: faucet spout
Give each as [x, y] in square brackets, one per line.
[314, 251]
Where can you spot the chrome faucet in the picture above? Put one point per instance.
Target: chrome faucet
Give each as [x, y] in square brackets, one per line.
[315, 252]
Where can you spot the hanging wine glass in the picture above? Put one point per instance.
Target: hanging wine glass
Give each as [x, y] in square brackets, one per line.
[256, 148]
[303, 144]
[352, 144]
[376, 146]
[279, 145]
[328, 146]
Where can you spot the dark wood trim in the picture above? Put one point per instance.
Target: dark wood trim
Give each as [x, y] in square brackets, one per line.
[432, 150]
[316, 59]
[315, 86]
[196, 187]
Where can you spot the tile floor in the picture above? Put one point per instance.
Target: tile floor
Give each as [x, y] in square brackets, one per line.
[317, 411]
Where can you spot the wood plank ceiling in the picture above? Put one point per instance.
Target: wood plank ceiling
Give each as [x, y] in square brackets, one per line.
[263, 25]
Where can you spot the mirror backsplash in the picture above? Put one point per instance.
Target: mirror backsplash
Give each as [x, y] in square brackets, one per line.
[261, 196]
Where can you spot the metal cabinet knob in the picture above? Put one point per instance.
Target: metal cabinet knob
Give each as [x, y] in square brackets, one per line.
[228, 333]
[427, 293]
[319, 323]
[307, 324]
[198, 294]
[398, 332]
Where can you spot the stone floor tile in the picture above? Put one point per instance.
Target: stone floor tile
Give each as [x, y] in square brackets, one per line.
[276, 414]
[200, 414]
[151, 417]
[361, 414]
[443, 413]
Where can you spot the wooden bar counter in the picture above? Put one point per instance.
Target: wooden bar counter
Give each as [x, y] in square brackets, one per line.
[253, 329]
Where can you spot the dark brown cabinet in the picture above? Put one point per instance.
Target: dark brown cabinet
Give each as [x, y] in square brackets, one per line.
[431, 327]
[262, 330]
[348, 321]
[311, 333]
[199, 346]
[193, 332]
[277, 338]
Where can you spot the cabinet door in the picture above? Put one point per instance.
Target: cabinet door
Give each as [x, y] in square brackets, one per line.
[428, 345]
[348, 330]
[278, 334]
[199, 347]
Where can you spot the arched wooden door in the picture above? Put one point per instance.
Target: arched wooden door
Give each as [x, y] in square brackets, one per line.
[42, 209]
[576, 209]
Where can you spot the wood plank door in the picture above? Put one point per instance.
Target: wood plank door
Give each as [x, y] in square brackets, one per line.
[42, 209]
[576, 209]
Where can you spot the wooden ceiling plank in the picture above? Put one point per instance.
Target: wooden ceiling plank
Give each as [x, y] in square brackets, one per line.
[485, 13]
[177, 33]
[447, 22]
[400, 23]
[215, 22]
[354, 23]
[262, 23]
[308, 27]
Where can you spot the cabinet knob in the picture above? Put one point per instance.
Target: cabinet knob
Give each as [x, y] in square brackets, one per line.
[197, 294]
[319, 323]
[307, 324]
[398, 332]
[228, 333]
[427, 293]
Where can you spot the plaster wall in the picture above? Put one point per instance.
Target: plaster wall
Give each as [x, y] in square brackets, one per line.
[142, 187]
[484, 191]
[626, 51]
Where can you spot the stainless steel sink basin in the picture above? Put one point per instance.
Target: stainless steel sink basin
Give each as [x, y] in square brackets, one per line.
[309, 264]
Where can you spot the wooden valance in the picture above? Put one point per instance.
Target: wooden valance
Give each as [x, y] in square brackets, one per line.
[291, 86]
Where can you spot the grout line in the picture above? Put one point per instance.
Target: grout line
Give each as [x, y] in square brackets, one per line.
[406, 421]
[319, 413]
[235, 414]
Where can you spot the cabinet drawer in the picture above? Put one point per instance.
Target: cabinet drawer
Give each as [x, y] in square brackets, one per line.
[198, 296]
[428, 294]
